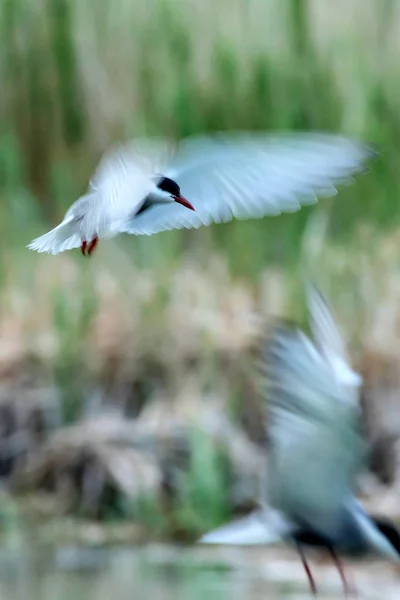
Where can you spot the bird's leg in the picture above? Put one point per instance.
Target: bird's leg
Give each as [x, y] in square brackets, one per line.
[307, 570]
[87, 249]
[93, 245]
[349, 590]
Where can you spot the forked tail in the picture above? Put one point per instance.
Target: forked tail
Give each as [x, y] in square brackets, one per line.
[63, 237]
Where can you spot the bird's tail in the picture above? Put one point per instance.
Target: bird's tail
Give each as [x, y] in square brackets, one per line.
[63, 237]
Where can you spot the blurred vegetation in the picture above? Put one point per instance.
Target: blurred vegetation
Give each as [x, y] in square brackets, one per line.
[145, 314]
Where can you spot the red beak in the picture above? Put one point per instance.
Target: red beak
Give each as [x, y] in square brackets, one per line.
[183, 201]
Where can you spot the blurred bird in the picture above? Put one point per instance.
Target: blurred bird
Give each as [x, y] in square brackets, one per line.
[137, 186]
[316, 446]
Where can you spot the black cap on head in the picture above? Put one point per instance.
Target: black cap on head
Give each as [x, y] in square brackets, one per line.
[169, 185]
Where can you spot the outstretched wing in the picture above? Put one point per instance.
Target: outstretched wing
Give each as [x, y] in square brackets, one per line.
[249, 175]
[316, 445]
[125, 173]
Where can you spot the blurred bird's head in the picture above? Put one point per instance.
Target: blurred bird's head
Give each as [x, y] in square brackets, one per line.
[173, 191]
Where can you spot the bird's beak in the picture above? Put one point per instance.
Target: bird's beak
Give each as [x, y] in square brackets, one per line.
[183, 201]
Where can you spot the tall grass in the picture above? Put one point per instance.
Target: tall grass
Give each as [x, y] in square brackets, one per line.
[78, 74]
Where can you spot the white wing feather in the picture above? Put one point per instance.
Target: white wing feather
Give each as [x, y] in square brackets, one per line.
[329, 341]
[124, 176]
[258, 528]
[145, 156]
[247, 176]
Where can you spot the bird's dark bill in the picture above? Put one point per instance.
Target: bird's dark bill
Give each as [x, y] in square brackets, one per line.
[184, 202]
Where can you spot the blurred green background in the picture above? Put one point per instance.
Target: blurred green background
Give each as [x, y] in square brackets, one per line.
[126, 391]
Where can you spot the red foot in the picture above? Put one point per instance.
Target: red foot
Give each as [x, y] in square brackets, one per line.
[349, 590]
[87, 249]
[93, 245]
[307, 570]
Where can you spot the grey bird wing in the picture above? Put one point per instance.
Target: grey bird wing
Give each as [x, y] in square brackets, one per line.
[260, 527]
[316, 443]
[249, 175]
